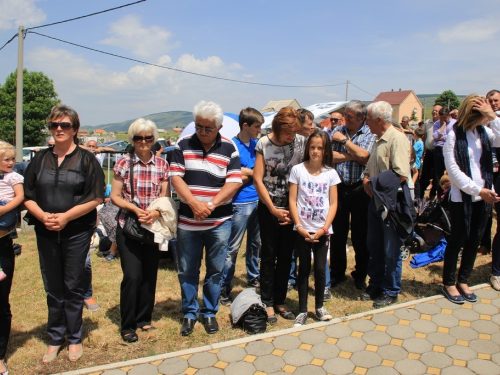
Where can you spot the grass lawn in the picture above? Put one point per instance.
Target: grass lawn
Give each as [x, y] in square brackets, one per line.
[102, 341]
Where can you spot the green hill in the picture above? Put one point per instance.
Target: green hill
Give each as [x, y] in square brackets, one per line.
[163, 120]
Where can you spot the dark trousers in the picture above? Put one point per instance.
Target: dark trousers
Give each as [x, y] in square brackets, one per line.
[427, 174]
[458, 238]
[495, 248]
[137, 291]
[7, 260]
[320, 250]
[62, 263]
[276, 257]
[352, 208]
[439, 168]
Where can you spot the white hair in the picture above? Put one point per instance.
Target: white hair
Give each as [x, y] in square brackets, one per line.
[381, 109]
[141, 125]
[209, 111]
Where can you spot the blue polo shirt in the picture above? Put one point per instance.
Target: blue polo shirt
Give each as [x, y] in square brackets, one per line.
[247, 192]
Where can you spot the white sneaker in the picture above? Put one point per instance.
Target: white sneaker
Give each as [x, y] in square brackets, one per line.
[322, 314]
[495, 282]
[300, 320]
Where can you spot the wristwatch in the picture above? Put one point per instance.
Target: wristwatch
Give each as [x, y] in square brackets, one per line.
[296, 226]
[344, 141]
[211, 205]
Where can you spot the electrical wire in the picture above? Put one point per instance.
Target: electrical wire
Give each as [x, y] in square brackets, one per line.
[361, 89]
[88, 15]
[180, 70]
[10, 40]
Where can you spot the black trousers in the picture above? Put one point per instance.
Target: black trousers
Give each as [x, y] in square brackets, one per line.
[320, 250]
[62, 263]
[458, 239]
[352, 209]
[427, 174]
[7, 259]
[439, 168]
[137, 291]
[276, 257]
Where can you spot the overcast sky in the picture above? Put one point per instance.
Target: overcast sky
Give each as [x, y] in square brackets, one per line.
[426, 46]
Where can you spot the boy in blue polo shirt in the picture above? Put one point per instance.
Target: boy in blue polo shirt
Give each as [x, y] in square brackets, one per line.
[244, 207]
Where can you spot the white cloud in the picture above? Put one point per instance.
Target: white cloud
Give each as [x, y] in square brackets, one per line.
[19, 12]
[472, 31]
[129, 33]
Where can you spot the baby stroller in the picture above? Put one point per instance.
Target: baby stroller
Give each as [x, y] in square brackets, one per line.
[432, 225]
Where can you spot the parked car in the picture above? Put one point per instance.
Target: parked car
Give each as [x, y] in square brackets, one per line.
[118, 146]
[28, 152]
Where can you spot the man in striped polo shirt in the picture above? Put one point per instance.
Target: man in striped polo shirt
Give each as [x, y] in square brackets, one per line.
[206, 173]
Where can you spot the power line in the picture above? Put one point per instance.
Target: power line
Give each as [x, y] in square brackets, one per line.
[180, 70]
[10, 40]
[361, 89]
[88, 15]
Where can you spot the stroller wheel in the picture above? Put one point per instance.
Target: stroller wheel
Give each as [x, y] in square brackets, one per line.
[405, 252]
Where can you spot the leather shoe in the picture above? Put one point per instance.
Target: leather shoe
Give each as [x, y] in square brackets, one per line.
[187, 326]
[371, 293]
[211, 325]
[130, 337]
[469, 297]
[384, 300]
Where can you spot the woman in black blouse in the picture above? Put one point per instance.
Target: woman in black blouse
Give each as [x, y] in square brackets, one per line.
[63, 186]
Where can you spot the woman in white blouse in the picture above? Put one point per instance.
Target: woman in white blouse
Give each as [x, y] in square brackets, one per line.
[467, 155]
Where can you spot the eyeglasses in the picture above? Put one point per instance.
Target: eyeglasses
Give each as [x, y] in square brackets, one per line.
[334, 119]
[207, 129]
[63, 125]
[140, 138]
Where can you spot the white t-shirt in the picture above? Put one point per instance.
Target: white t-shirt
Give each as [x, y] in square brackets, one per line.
[7, 185]
[313, 196]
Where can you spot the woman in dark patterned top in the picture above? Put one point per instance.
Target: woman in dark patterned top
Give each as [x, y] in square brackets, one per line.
[63, 186]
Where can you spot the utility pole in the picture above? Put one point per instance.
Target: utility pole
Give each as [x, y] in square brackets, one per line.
[346, 90]
[425, 107]
[19, 96]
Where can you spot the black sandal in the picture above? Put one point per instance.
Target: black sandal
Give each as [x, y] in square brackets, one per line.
[130, 337]
[285, 314]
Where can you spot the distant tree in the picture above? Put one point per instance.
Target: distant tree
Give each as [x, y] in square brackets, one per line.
[442, 100]
[39, 97]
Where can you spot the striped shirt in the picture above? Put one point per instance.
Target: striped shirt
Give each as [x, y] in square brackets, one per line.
[351, 171]
[205, 173]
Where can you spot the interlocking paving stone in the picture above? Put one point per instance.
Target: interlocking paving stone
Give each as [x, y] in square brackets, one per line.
[407, 314]
[427, 308]
[441, 339]
[423, 326]
[286, 342]
[366, 359]
[461, 352]
[325, 351]
[114, 372]
[338, 366]
[145, 369]
[496, 302]
[445, 320]
[410, 367]
[279, 373]
[382, 370]
[362, 325]
[496, 358]
[481, 366]
[351, 344]
[496, 337]
[438, 360]
[312, 337]
[231, 354]
[400, 332]
[269, 363]
[484, 326]
[486, 293]
[496, 319]
[456, 370]
[445, 304]
[376, 338]
[483, 308]
[259, 348]
[210, 371]
[309, 370]
[338, 331]
[464, 333]
[466, 314]
[392, 352]
[240, 368]
[173, 366]
[384, 319]
[202, 360]
[416, 345]
[297, 357]
[484, 346]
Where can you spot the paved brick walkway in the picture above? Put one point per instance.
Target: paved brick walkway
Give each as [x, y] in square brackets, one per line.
[428, 336]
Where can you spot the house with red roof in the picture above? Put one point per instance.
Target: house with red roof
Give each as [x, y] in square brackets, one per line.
[404, 103]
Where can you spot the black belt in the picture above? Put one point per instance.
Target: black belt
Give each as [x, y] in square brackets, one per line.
[352, 184]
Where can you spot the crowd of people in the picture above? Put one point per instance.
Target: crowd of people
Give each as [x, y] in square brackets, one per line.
[297, 192]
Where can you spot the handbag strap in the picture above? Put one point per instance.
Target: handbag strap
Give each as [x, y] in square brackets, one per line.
[132, 176]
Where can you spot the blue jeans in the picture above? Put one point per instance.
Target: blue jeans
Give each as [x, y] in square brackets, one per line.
[244, 218]
[190, 246]
[88, 278]
[384, 247]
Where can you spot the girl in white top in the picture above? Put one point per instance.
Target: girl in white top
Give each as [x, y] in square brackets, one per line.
[313, 204]
[11, 192]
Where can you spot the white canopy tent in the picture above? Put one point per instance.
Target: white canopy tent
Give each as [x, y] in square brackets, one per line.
[320, 111]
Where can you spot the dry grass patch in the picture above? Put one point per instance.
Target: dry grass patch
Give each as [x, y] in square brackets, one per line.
[102, 341]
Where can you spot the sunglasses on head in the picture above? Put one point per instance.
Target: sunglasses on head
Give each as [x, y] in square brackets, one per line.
[140, 138]
[63, 125]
